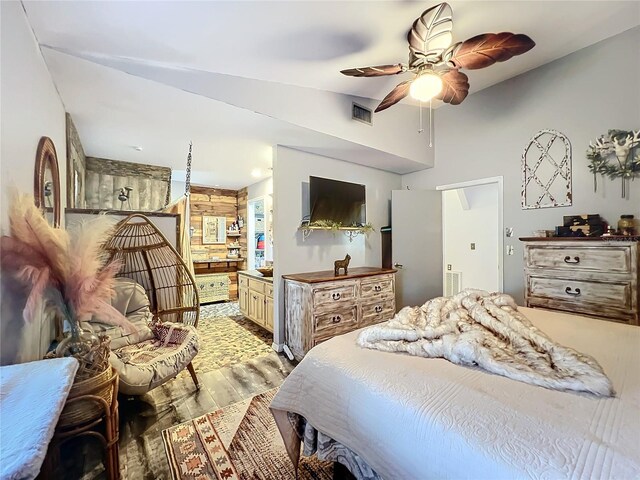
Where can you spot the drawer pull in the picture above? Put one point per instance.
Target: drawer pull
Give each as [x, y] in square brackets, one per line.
[336, 318]
[574, 293]
[575, 260]
[377, 288]
[336, 296]
[378, 308]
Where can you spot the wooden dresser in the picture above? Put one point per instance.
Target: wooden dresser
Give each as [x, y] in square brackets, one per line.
[319, 305]
[255, 297]
[588, 276]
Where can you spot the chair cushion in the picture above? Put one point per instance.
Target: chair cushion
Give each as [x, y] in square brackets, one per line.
[151, 363]
[131, 300]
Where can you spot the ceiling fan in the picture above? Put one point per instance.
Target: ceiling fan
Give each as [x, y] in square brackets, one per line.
[436, 61]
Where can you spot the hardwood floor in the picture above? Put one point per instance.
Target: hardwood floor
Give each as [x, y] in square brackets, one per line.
[142, 419]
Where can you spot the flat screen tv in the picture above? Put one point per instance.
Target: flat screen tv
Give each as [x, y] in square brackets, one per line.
[337, 202]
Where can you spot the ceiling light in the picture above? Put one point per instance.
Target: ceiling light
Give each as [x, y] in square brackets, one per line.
[256, 172]
[425, 87]
[137, 148]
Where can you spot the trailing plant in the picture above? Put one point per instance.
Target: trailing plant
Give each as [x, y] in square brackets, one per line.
[331, 225]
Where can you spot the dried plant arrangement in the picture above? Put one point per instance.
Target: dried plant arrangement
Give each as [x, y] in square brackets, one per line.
[624, 147]
[64, 269]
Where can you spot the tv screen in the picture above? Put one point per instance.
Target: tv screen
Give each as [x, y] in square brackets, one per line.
[338, 202]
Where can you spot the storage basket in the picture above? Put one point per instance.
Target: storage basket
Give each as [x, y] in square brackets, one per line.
[83, 411]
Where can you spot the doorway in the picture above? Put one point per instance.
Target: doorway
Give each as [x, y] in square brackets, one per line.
[472, 238]
[256, 233]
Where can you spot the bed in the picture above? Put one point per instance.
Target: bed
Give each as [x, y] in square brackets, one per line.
[413, 418]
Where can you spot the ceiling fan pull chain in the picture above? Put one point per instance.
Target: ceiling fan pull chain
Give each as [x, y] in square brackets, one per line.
[420, 129]
[430, 125]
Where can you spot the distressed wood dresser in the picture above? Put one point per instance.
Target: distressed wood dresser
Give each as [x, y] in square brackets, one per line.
[319, 305]
[589, 276]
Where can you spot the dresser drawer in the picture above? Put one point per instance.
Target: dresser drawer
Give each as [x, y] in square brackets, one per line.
[334, 296]
[377, 312]
[617, 295]
[257, 285]
[377, 287]
[335, 322]
[243, 281]
[269, 290]
[610, 258]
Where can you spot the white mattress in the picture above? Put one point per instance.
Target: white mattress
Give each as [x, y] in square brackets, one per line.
[416, 418]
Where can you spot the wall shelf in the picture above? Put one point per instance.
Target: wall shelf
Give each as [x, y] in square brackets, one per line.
[215, 261]
[350, 232]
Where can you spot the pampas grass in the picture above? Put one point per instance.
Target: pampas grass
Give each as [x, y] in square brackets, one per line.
[66, 268]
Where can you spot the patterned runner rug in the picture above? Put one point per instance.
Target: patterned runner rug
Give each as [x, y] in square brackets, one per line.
[240, 441]
[227, 338]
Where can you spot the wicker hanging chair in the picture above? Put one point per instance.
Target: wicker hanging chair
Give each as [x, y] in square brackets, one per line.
[149, 259]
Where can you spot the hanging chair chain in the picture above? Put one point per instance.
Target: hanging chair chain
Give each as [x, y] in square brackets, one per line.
[187, 178]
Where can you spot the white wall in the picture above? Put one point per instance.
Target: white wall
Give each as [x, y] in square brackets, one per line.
[31, 108]
[292, 168]
[477, 224]
[177, 189]
[582, 95]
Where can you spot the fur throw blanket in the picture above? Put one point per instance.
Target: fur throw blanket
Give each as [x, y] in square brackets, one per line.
[487, 330]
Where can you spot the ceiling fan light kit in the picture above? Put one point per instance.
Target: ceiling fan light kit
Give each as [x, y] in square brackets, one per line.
[436, 62]
[425, 86]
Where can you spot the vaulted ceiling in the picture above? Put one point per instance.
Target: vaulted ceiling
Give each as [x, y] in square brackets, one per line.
[157, 74]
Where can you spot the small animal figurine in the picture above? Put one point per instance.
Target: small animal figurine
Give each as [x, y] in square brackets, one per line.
[338, 264]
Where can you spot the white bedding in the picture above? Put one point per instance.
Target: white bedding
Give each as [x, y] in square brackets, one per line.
[32, 396]
[416, 418]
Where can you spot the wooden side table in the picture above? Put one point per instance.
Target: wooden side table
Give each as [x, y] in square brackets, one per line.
[99, 413]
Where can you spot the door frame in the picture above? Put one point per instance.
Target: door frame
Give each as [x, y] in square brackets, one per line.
[499, 181]
[251, 229]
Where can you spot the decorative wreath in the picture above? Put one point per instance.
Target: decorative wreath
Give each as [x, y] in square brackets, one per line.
[615, 155]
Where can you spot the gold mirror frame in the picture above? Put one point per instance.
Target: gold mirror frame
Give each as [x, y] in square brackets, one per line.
[46, 157]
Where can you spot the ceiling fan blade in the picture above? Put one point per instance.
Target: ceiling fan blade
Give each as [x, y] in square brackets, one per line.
[488, 48]
[377, 71]
[430, 34]
[455, 87]
[394, 96]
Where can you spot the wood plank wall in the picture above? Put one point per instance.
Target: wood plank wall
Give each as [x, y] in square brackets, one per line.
[218, 203]
[104, 178]
[76, 166]
[243, 195]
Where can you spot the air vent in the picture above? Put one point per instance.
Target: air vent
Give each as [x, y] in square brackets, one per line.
[452, 283]
[361, 114]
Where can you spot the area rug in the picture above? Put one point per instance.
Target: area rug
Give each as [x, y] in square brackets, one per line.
[240, 441]
[222, 309]
[228, 339]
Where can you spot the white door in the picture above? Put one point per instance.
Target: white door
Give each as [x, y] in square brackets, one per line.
[416, 231]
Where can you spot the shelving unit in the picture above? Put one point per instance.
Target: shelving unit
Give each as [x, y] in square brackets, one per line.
[258, 233]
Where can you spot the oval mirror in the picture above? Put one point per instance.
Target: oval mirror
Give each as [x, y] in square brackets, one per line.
[47, 181]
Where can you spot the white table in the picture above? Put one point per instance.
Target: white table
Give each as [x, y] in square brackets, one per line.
[32, 396]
